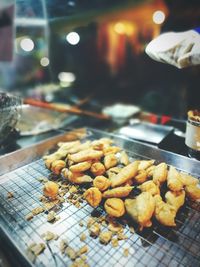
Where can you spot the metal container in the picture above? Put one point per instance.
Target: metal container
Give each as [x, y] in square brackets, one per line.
[192, 139]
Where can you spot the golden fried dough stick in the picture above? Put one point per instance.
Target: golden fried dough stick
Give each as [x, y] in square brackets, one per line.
[141, 209]
[79, 147]
[118, 192]
[175, 199]
[57, 166]
[193, 192]
[97, 168]
[145, 164]
[101, 143]
[86, 155]
[124, 159]
[187, 179]
[150, 187]
[78, 178]
[114, 207]
[111, 150]
[141, 177]
[125, 174]
[101, 182]
[110, 161]
[164, 213]
[93, 196]
[67, 145]
[81, 167]
[50, 189]
[115, 169]
[160, 173]
[150, 171]
[174, 182]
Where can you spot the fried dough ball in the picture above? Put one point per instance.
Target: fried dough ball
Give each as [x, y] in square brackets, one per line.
[110, 161]
[97, 168]
[150, 187]
[102, 183]
[193, 192]
[57, 166]
[93, 196]
[160, 173]
[80, 167]
[50, 189]
[114, 207]
[174, 182]
[175, 199]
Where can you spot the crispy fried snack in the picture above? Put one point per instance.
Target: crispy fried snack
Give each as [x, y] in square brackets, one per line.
[174, 182]
[80, 167]
[125, 174]
[68, 145]
[114, 207]
[111, 150]
[141, 177]
[175, 199]
[150, 187]
[193, 192]
[150, 171]
[115, 169]
[124, 159]
[160, 173]
[110, 161]
[97, 168]
[101, 182]
[141, 209]
[93, 196]
[57, 166]
[105, 237]
[145, 164]
[79, 147]
[86, 155]
[164, 213]
[187, 179]
[50, 189]
[118, 192]
[101, 143]
[78, 178]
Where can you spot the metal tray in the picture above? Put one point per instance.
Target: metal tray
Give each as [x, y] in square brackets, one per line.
[157, 246]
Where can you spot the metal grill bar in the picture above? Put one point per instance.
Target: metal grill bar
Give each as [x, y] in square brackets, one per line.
[153, 247]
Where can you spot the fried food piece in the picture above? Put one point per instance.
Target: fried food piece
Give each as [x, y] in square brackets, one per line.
[67, 145]
[193, 192]
[86, 155]
[101, 143]
[141, 177]
[118, 192]
[102, 183]
[79, 147]
[150, 171]
[145, 164]
[93, 196]
[160, 173]
[50, 189]
[97, 168]
[164, 213]
[141, 209]
[95, 229]
[174, 182]
[124, 159]
[175, 199]
[187, 179]
[110, 161]
[150, 187]
[105, 237]
[57, 166]
[111, 150]
[78, 178]
[115, 170]
[114, 207]
[80, 167]
[125, 174]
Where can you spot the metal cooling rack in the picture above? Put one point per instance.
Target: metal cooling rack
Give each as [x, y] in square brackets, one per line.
[158, 246]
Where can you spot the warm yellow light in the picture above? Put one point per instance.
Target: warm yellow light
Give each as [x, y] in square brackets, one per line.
[44, 61]
[158, 17]
[119, 28]
[66, 77]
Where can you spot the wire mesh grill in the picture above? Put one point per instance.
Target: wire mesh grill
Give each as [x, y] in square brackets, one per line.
[158, 246]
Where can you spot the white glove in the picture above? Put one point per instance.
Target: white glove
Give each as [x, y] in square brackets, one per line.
[178, 49]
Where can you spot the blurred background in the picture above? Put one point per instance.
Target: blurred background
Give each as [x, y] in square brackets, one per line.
[64, 50]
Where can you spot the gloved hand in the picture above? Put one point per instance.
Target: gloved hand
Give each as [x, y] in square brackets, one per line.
[178, 49]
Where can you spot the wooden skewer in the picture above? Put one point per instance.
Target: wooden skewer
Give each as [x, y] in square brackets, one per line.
[60, 108]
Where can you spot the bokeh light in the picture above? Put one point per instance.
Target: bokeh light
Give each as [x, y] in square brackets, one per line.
[73, 38]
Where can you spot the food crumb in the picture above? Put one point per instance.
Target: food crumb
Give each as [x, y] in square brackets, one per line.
[37, 248]
[121, 236]
[73, 189]
[37, 210]
[95, 229]
[71, 253]
[83, 250]
[105, 237]
[63, 245]
[10, 195]
[29, 216]
[132, 230]
[83, 237]
[51, 217]
[115, 242]
[126, 252]
[49, 236]
[81, 224]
